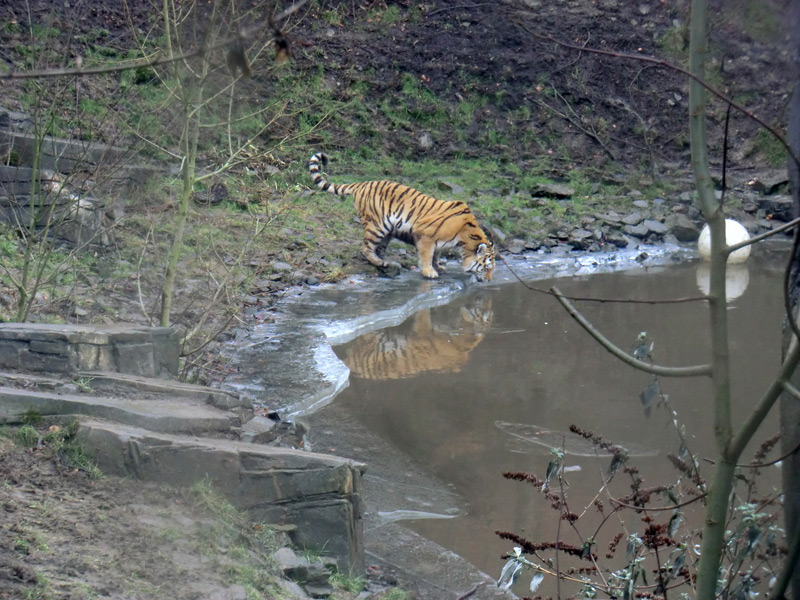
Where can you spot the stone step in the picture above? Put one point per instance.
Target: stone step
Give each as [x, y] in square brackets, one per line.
[157, 414]
[320, 494]
[219, 398]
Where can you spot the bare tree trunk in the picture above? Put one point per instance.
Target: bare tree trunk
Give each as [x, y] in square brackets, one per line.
[720, 489]
[789, 406]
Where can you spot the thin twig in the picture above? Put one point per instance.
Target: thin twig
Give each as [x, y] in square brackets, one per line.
[693, 371]
[757, 238]
[470, 593]
[663, 508]
[601, 300]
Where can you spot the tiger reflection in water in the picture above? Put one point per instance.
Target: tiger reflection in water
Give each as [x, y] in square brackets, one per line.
[419, 345]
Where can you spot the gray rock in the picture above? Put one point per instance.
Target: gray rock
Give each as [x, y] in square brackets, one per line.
[552, 190]
[780, 207]
[319, 590]
[449, 186]
[281, 266]
[764, 224]
[769, 184]
[516, 246]
[633, 219]
[258, 430]
[425, 141]
[655, 226]
[638, 231]
[670, 239]
[532, 245]
[497, 233]
[641, 203]
[580, 238]
[610, 217]
[618, 240]
[749, 203]
[682, 227]
[291, 590]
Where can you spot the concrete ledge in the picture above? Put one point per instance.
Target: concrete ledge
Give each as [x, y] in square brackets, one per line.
[319, 494]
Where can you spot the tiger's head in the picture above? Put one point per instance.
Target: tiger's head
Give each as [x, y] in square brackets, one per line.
[479, 260]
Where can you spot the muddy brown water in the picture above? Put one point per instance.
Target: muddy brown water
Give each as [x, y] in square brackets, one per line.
[489, 383]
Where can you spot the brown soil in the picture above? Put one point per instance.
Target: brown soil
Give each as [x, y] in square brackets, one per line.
[65, 535]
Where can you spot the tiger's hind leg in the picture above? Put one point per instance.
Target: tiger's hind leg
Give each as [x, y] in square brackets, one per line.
[373, 251]
[436, 263]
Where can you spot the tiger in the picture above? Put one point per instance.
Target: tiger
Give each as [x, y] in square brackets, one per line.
[419, 345]
[388, 209]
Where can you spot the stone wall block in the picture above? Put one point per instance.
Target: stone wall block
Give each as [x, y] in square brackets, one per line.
[330, 527]
[36, 361]
[133, 359]
[87, 357]
[327, 520]
[280, 486]
[11, 353]
[56, 347]
[145, 351]
[167, 351]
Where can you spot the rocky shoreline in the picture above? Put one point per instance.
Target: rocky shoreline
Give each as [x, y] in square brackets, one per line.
[757, 199]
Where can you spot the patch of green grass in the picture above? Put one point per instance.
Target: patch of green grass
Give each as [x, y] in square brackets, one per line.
[247, 548]
[758, 20]
[395, 594]
[60, 441]
[84, 383]
[675, 41]
[206, 496]
[32, 417]
[354, 585]
[41, 591]
[773, 151]
[26, 436]
[91, 106]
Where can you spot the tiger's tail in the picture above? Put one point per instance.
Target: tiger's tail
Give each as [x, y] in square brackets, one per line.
[319, 180]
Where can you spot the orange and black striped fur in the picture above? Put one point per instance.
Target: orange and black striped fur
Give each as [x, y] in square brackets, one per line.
[391, 210]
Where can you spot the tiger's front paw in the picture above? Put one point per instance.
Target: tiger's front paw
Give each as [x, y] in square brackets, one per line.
[429, 273]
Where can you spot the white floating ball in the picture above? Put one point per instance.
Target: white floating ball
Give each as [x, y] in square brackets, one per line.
[734, 234]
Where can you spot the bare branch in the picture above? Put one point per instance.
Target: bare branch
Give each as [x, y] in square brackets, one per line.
[773, 392]
[694, 371]
[791, 390]
[601, 300]
[763, 236]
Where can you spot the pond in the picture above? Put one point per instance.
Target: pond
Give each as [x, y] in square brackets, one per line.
[491, 382]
